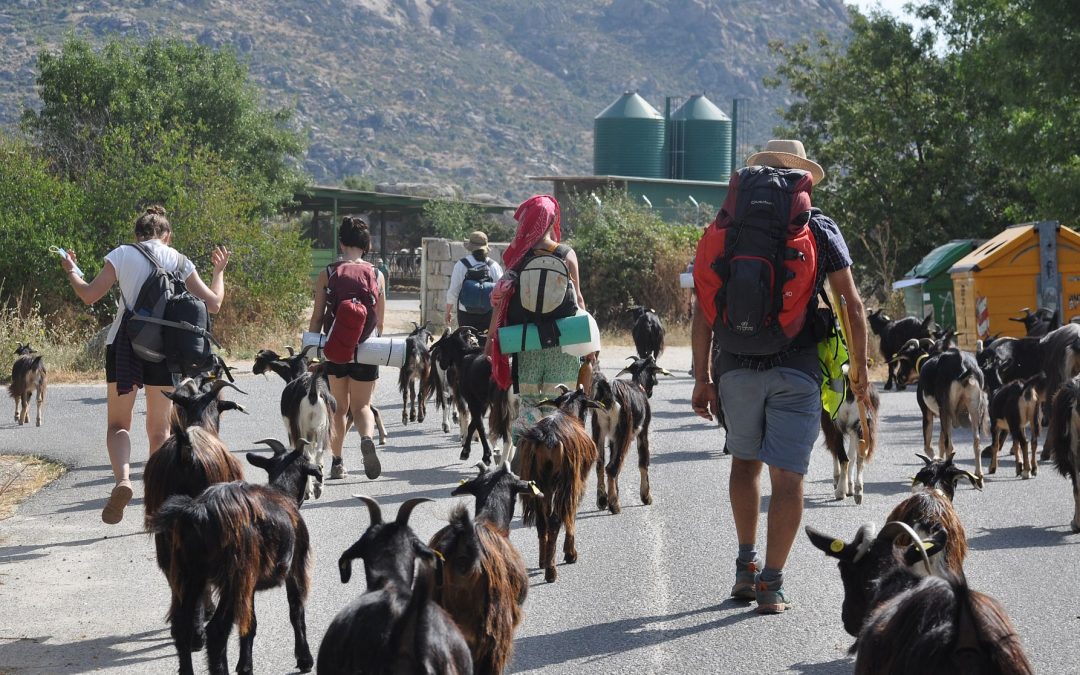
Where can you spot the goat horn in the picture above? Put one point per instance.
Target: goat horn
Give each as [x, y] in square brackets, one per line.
[277, 446]
[895, 528]
[406, 509]
[373, 508]
[546, 401]
[218, 385]
[631, 358]
[624, 371]
[482, 468]
[305, 350]
[865, 537]
[924, 458]
[291, 352]
[563, 388]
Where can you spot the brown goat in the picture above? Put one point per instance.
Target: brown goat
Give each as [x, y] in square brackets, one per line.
[557, 454]
[484, 580]
[28, 375]
[922, 511]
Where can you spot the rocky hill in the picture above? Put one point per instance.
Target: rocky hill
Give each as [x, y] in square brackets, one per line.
[478, 93]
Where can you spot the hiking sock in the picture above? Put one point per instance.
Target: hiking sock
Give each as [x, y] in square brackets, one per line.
[771, 575]
[747, 553]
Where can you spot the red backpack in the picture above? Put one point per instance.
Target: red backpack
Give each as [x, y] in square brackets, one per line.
[759, 261]
[352, 291]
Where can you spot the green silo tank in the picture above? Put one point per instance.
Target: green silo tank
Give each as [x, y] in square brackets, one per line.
[700, 141]
[628, 139]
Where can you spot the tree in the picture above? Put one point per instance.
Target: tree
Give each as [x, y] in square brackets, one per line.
[888, 118]
[453, 220]
[164, 84]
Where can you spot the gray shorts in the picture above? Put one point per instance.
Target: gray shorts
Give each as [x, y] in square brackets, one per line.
[772, 415]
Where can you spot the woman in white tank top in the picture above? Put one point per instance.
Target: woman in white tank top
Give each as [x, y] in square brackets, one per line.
[128, 267]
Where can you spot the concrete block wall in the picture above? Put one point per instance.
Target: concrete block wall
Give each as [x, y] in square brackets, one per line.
[438, 257]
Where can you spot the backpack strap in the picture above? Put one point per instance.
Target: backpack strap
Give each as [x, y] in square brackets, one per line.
[183, 325]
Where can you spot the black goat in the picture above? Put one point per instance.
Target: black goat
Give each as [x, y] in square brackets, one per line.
[941, 476]
[949, 383]
[437, 384]
[1063, 440]
[1040, 323]
[907, 622]
[472, 384]
[1013, 408]
[893, 335]
[624, 416]
[238, 538]
[28, 375]
[413, 373]
[484, 581]
[848, 425]
[394, 627]
[648, 332]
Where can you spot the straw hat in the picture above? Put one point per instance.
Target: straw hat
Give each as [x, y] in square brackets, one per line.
[787, 154]
[477, 241]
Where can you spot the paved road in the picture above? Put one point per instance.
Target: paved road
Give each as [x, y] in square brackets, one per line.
[647, 595]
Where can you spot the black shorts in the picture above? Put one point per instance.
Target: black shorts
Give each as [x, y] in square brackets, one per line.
[361, 372]
[154, 374]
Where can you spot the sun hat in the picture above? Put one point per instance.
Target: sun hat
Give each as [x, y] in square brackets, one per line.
[477, 241]
[787, 154]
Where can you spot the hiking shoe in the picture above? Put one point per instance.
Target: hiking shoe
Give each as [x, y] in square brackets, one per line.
[372, 468]
[337, 468]
[113, 512]
[746, 579]
[770, 597]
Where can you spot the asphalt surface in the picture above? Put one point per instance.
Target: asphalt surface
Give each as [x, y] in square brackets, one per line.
[648, 594]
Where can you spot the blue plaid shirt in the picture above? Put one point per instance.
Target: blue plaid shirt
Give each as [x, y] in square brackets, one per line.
[831, 245]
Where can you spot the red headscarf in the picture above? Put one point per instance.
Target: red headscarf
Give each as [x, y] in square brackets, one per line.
[535, 216]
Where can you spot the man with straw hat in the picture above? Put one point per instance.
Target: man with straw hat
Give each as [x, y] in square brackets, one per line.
[471, 283]
[759, 270]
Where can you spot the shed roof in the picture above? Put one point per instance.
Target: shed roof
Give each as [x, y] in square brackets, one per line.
[1006, 244]
[941, 258]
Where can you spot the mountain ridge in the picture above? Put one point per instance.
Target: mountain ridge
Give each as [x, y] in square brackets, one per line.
[478, 93]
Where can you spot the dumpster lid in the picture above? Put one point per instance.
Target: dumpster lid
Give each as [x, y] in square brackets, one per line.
[989, 251]
[942, 258]
[908, 281]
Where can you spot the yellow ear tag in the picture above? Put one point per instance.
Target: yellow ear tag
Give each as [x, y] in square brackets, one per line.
[462, 481]
[927, 544]
[836, 546]
[914, 480]
[438, 554]
[535, 490]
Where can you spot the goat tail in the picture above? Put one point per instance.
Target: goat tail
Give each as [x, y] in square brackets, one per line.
[997, 637]
[499, 418]
[528, 454]
[1060, 437]
[871, 410]
[178, 515]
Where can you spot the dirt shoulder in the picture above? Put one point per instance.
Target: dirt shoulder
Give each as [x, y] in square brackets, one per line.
[21, 476]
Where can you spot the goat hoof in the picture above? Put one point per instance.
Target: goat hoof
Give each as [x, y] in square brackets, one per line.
[487, 459]
[464, 454]
[646, 499]
[446, 428]
[305, 663]
[570, 557]
[550, 574]
[614, 508]
[858, 499]
[993, 469]
[1026, 475]
[888, 386]
[1075, 527]
[601, 502]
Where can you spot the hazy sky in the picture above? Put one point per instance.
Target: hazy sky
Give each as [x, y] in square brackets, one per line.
[892, 6]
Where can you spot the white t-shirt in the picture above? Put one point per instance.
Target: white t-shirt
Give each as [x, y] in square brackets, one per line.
[457, 278]
[133, 269]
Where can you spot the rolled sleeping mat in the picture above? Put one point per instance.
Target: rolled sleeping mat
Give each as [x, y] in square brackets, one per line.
[686, 280]
[374, 351]
[577, 335]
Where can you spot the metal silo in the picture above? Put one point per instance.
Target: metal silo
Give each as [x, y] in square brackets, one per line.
[628, 139]
[700, 141]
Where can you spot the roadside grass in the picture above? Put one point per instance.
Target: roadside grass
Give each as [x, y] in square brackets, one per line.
[21, 476]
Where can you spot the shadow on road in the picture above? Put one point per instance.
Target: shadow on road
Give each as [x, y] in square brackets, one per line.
[842, 665]
[1023, 536]
[86, 656]
[615, 637]
[9, 554]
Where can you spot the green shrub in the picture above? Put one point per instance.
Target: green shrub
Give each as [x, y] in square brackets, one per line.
[628, 255]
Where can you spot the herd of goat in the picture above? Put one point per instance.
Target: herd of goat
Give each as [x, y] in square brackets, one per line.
[452, 605]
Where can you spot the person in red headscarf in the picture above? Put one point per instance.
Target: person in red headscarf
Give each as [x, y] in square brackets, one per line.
[536, 374]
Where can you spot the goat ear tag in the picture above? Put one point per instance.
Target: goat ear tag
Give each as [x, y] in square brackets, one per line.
[462, 481]
[532, 486]
[836, 546]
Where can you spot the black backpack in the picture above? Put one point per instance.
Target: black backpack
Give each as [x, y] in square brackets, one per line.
[476, 290]
[167, 323]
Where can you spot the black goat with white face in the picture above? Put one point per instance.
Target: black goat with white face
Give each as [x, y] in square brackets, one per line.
[648, 331]
[942, 476]
[413, 373]
[394, 627]
[643, 372]
[895, 334]
[907, 620]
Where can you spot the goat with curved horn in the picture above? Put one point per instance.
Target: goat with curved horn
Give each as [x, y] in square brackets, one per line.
[274, 444]
[374, 510]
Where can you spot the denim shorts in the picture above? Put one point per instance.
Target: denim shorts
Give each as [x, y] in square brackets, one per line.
[772, 415]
